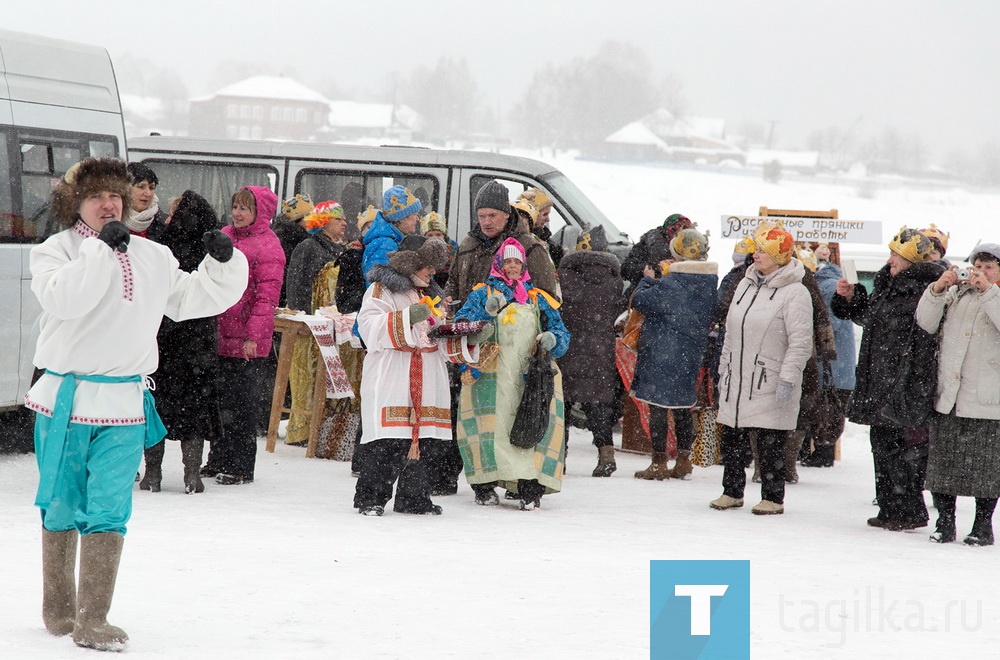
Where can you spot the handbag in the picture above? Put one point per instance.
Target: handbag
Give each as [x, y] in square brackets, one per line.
[532, 418]
[829, 411]
[912, 396]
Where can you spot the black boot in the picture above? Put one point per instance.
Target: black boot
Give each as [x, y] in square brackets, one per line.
[982, 527]
[944, 531]
[154, 467]
[822, 456]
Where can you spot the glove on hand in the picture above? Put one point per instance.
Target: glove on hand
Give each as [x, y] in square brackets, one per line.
[219, 246]
[494, 303]
[546, 340]
[116, 235]
[419, 312]
[482, 335]
[784, 392]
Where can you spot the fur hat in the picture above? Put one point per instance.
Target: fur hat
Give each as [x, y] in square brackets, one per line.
[399, 203]
[298, 207]
[673, 224]
[321, 216]
[366, 216]
[89, 176]
[595, 239]
[493, 195]
[536, 198]
[775, 242]
[937, 237]
[433, 222]
[689, 245]
[416, 252]
[911, 245]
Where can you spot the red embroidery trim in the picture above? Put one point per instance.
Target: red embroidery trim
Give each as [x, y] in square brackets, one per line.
[92, 421]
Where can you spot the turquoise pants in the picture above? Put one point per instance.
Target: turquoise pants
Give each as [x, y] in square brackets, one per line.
[93, 492]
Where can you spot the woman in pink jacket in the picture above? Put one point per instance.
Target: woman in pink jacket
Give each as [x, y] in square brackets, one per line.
[245, 331]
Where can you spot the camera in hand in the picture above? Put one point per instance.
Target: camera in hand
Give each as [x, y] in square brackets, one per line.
[963, 274]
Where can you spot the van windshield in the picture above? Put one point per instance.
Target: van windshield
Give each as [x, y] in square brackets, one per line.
[581, 206]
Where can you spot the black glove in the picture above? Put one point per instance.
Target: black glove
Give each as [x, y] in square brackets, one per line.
[116, 235]
[219, 246]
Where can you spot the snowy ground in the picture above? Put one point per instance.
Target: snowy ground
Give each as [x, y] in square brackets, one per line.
[284, 568]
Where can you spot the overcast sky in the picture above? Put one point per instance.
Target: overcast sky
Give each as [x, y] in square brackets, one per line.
[925, 67]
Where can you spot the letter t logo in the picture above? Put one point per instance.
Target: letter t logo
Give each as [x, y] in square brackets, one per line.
[701, 604]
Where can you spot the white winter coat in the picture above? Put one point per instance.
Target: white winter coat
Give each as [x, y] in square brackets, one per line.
[769, 337]
[969, 363]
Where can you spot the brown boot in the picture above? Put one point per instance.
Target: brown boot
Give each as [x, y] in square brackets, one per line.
[657, 469]
[99, 557]
[59, 581]
[682, 466]
[191, 451]
[793, 444]
[605, 462]
[154, 467]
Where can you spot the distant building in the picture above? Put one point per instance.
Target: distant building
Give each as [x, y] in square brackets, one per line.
[260, 108]
[804, 162]
[662, 136]
[351, 121]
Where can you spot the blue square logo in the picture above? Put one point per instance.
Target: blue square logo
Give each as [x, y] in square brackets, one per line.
[699, 610]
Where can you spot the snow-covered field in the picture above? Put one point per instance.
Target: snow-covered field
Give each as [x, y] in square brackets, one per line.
[285, 568]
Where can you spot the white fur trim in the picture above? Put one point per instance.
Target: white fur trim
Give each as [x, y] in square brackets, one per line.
[695, 267]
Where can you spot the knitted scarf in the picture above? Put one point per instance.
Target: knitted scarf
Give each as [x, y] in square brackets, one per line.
[139, 221]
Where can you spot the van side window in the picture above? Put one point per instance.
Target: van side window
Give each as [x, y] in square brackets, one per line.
[214, 181]
[11, 225]
[356, 190]
[514, 188]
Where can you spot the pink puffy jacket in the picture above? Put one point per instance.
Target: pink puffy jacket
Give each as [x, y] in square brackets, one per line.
[253, 316]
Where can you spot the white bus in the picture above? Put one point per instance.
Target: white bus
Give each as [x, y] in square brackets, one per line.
[58, 104]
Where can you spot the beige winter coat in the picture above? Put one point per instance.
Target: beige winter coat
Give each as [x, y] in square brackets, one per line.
[769, 338]
[969, 363]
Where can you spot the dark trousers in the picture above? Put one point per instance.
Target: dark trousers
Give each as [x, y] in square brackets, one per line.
[683, 427]
[384, 461]
[600, 421]
[736, 455]
[239, 401]
[900, 468]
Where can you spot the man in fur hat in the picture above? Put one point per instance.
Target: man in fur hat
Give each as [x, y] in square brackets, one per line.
[404, 386]
[103, 294]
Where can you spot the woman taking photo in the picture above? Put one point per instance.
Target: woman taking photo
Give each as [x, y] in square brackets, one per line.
[963, 457]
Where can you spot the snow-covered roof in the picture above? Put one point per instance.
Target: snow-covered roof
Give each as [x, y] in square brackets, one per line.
[354, 114]
[271, 87]
[635, 133]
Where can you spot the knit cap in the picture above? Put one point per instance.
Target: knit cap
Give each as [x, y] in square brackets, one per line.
[433, 221]
[493, 195]
[595, 239]
[399, 203]
[673, 224]
[937, 237]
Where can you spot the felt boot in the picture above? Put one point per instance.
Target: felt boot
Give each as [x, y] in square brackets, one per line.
[191, 451]
[154, 468]
[682, 466]
[793, 443]
[657, 470]
[605, 462]
[944, 531]
[982, 527]
[822, 456]
[59, 581]
[100, 555]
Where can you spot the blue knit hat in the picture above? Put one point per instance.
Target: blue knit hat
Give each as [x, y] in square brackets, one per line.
[398, 203]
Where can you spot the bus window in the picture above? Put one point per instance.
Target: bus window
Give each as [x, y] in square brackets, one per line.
[103, 149]
[11, 225]
[214, 181]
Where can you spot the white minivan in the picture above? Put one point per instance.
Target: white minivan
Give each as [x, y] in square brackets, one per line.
[58, 104]
[446, 181]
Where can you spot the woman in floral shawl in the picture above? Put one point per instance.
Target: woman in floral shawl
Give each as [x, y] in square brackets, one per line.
[524, 316]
